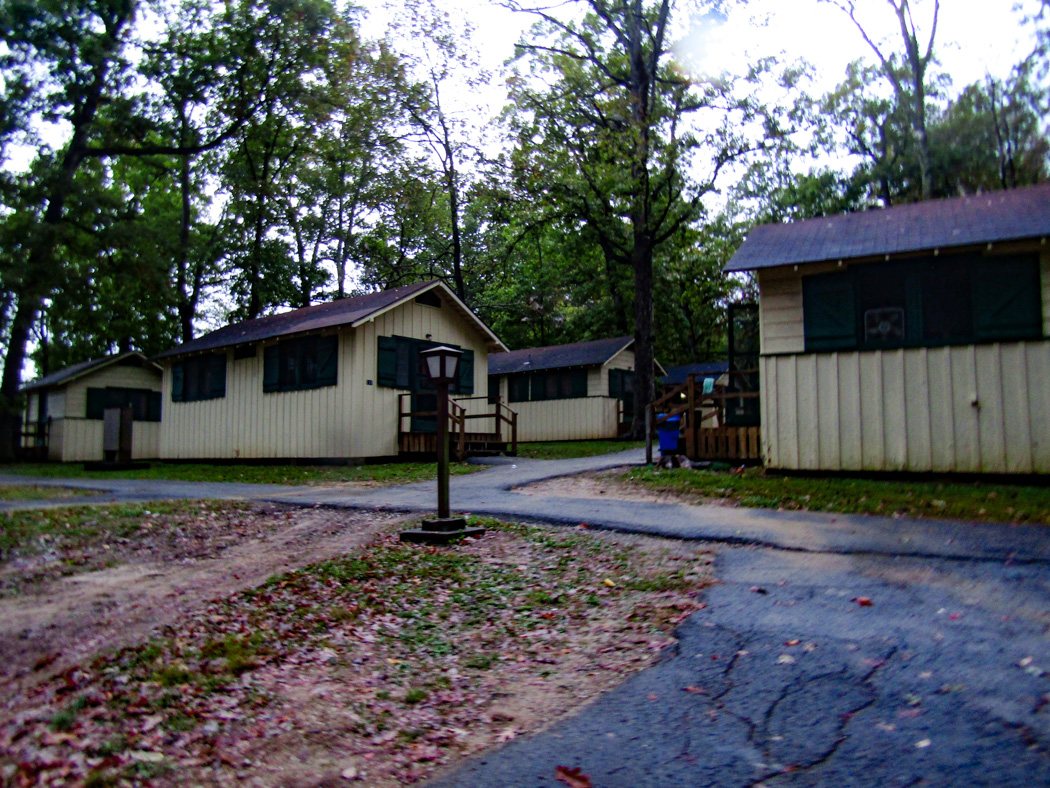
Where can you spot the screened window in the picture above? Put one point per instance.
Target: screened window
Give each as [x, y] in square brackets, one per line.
[621, 383]
[144, 403]
[300, 364]
[399, 365]
[548, 385]
[199, 378]
[929, 302]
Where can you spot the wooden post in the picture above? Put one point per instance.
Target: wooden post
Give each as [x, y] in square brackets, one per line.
[690, 419]
[649, 435]
[514, 435]
[442, 450]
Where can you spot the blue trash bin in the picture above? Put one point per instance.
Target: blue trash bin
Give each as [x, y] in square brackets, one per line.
[668, 435]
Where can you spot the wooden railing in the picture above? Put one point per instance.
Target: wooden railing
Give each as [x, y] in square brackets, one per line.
[695, 409]
[34, 440]
[458, 418]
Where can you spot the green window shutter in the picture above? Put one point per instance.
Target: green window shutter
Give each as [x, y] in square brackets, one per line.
[829, 312]
[217, 376]
[493, 389]
[579, 383]
[96, 403]
[178, 380]
[327, 360]
[386, 362]
[1006, 300]
[271, 369]
[616, 383]
[153, 408]
[465, 383]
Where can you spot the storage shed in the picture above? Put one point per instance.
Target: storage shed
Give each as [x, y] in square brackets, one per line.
[580, 391]
[327, 382]
[64, 410]
[912, 338]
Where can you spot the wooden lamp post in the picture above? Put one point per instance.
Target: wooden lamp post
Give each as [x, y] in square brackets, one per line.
[442, 366]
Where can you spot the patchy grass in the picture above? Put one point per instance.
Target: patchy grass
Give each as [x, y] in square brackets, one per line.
[406, 657]
[568, 450]
[973, 501]
[36, 492]
[42, 544]
[314, 475]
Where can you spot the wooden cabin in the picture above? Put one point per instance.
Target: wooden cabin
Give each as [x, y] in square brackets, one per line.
[339, 381]
[912, 338]
[581, 391]
[64, 410]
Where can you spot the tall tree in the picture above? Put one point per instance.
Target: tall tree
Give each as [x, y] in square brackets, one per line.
[446, 64]
[909, 83]
[606, 137]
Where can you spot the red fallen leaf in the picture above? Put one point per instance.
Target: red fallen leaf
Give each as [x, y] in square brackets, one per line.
[574, 778]
[46, 660]
[863, 601]
[653, 696]
[954, 616]
[694, 690]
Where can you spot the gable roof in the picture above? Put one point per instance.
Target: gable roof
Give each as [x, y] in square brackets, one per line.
[70, 373]
[577, 354]
[1011, 215]
[346, 311]
[677, 375]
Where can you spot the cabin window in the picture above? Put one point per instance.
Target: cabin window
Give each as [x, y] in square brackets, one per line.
[621, 383]
[923, 303]
[399, 366]
[199, 378]
[548, 385]
[300, 364]
[145, 404]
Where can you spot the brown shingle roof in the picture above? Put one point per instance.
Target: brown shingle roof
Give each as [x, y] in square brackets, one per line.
[578, 354]
[346, 311]
[994, 217]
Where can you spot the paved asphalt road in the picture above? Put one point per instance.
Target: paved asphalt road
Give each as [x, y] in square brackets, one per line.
[789, 676]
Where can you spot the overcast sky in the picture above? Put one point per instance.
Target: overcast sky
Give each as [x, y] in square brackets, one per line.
[973, 36]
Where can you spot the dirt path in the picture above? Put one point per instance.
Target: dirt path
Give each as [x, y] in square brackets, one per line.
[608, 484]
[63, 622]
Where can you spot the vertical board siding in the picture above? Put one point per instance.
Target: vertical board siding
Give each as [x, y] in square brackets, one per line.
[1037, 356]
[80, 440]
[352, 419]
[1044, 276]
[583, 418]
[982, 408]
[827, 405]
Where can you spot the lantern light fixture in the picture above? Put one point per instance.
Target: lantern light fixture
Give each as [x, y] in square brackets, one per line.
[442, 364]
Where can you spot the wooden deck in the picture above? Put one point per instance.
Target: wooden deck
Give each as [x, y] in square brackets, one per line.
[703, 432]
[463, 443]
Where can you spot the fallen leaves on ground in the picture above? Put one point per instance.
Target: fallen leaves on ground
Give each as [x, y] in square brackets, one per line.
[380, 666]
[574, 778]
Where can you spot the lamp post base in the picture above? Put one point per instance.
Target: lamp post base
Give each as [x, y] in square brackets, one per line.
[441, 530]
